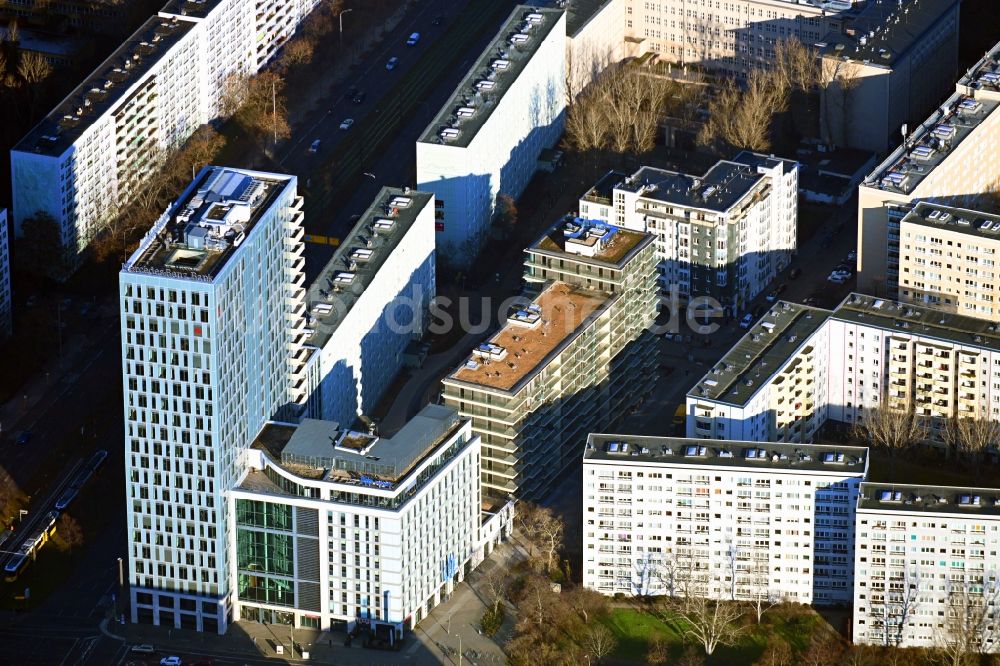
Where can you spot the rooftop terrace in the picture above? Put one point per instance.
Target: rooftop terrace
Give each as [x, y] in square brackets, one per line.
[480, 92]
[532, 334]
[321, 450]
[591, 240]
[931, 143]
[916, 320]
[883, 30]
[958, 220]
[105, 87]
[722, 187]
[359, 258]
[759, 354]
[207, 224]
[843, 460]
[930, 499]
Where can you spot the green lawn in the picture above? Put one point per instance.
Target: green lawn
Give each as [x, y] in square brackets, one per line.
[635, 629]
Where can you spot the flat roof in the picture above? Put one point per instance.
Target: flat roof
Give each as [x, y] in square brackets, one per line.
[759, 354]
[105, 86]
[359, 257]
[207, 224]
[602, 191]
[191, 8]
[579, 13]
[960, 501]
[480, 92]
[323, 451]
[517, 352]
[723, 186]
[603, 242]
[933, 141]
[881, 31]
[958, 220]
[894, 316]
[647, 449]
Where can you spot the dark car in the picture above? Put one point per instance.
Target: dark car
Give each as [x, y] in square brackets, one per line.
[23, 438]
[359, 97]
[794, 273]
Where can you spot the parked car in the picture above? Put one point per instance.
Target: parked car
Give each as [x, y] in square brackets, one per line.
[143, 648]
[346, 125]
[836, 278]
[391, 65]
[171, 661]
[852, 256]
[747, 321]
[314, 146]
[413, 39]
[812, 300]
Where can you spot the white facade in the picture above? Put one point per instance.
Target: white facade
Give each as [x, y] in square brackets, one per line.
[363, 546]
[725, 234]
[6, 307]
[369, 302]
[106, 137]
[210, 324]
[486, 140]
[595, 38]
[808, 365]
[925, 560]
[729, 520]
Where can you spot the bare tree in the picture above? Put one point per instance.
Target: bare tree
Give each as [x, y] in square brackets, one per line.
[710, 623]
[600, 642]
[12, 498]
[587, 603]
[892, 605]
[825, 649]
[297, 51]
[776, 653]
[839, 79]
[633, 107]
[796, 64]
[890, 427]
[658, 653]
[760, 596]
[495, 583]
[543, 529]
[68, 533]
[971, 626]
[742, 117]
[667, 573]
[971, 436]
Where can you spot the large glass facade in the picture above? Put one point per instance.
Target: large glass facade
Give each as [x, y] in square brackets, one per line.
[265, 590]
[264, 551]
[264, 514]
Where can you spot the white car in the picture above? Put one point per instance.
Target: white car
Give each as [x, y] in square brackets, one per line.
[836, 278]
[346, 125]
[171, 661]
[747, 321]
[413, 39]
[391, 65]
[852, 255]
[143, 648]
[314, 146]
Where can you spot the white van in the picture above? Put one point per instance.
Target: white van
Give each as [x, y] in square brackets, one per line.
[414, 38]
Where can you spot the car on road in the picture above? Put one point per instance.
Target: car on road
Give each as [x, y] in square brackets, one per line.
[23, 438]
[346, 125]
[747, 321]
[812, 300]
[391, 64]
[837, 278]
[413, 39]
[773, 296]
[852, 256]
[314, 146]
[171, 661]
[359, 97]
[143, 648]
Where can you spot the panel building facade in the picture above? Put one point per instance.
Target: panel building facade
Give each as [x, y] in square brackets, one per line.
[212, 310]
[725, 234]
[486, 140]
[727, 520]
[84, 159]
[6, 304]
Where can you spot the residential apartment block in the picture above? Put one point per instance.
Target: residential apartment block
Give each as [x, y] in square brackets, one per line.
[925, 562]
[212, 313]
[6, 306]
[84, 160]
[725, 234]
[949, 159]
[728, 520]
[799, 367]
[888, 65]
[336, 528]
[595, 38]
[369, 301]
[947, 260]
[574, 359]
[486, 140]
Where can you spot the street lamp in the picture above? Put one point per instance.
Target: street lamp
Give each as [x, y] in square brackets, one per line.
[459, 636]
[340, 19]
